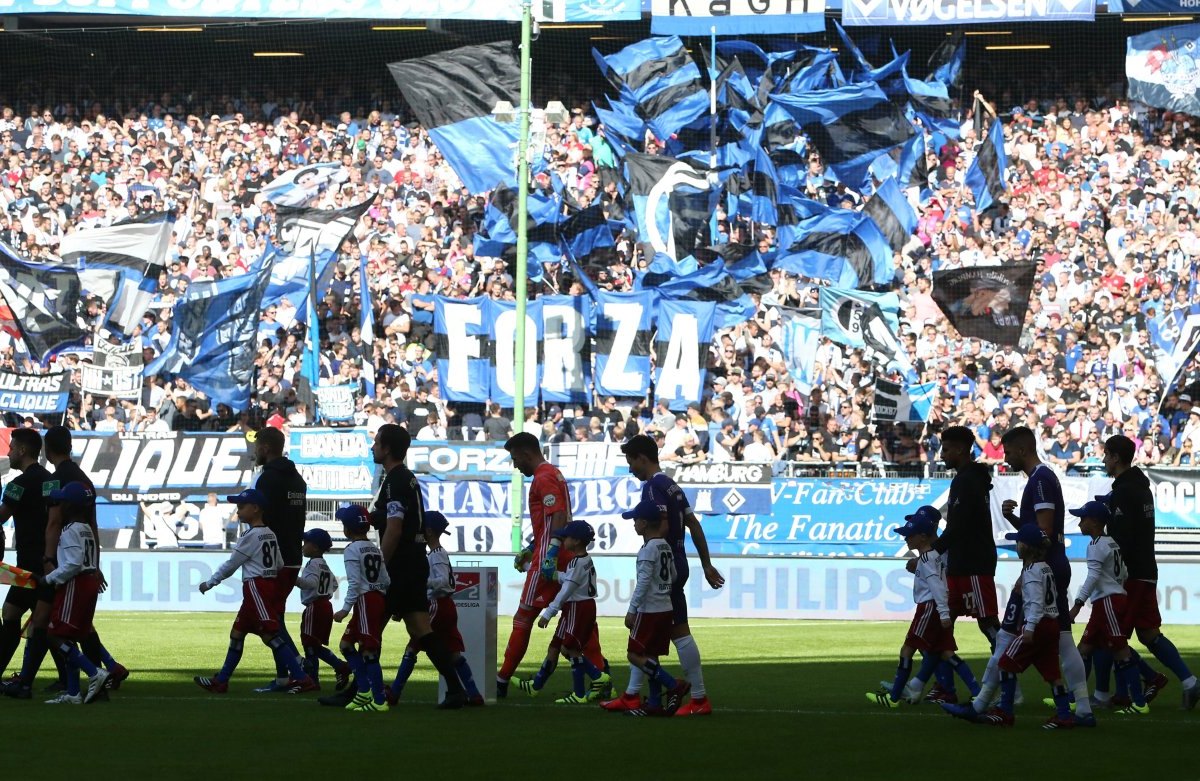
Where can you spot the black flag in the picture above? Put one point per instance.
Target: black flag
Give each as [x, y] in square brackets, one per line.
[986, 302]
[45, 302]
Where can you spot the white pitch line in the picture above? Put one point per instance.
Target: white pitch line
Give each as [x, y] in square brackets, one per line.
[908, 713]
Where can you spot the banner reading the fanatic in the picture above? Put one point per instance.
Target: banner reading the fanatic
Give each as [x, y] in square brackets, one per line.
[942, 12]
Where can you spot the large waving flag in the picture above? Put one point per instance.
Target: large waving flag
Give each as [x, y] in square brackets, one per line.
[892, 212]
[912, 169]
[850, 126]
[946, 62]
[859, 319]
[673, 201]
[453, 94]
[45, 302]
[1161, 68]
[986, 302]
[986, 175]
[711, 283]
[841, 246]
[683, 334]
[659, 78]
[497, 235]
[121, 264]
[213, 335]
[308, 242]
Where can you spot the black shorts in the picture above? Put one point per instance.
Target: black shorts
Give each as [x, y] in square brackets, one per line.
[407, 595]
[27, 598]
[679, 613]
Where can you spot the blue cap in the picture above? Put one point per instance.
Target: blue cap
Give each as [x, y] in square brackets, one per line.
[1030, 534]
[249, 496]
[646, 510]
[923, 521]
[73, 493]
[436, 522]
[582, 530]
[1093, 509]
[320, 538]
[354, 518]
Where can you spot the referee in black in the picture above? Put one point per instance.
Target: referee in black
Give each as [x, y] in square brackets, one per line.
[1131, 505]
[22, 501]
[968, 538]
[398, 515]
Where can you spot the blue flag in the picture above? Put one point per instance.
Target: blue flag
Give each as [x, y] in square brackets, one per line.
[672, 200]
[800, 336]
[453, 94]
[308, 243]
[1162, 70]
[892, 213]
[986, 176]
[849, 316]
[497, 236]
[946, 62]
[213, 336]
[683, 334]
[844, 247]
[659, 78]
[710, 283]
[850, 126]
[311, 363]
[566, 350]
[366, 325]
[501, 319]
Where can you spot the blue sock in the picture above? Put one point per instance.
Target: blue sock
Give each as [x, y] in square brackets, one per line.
[1147, 672]
[655, 672]
[232, 657]
[330, 658]
[929, 663]
[903, 671]
[964, 671]
[592, 671]
[408, 662]
[354, 659]
[283, 667]
[466, 676]
[375, 675]
[76, 658]
[655, 699]
[577, 678]
[1062, 703]
[107, 659]
[1101, 663]
[945, 676]
[282, 646]
[73, 679]
[1008, 692]
[1127, 672]
[544, 672]
[1166, 652]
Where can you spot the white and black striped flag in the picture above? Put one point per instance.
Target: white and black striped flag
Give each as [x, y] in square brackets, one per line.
[120, 264]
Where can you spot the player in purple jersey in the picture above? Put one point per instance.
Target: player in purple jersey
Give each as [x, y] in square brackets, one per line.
[641, 453]
[1042, 504]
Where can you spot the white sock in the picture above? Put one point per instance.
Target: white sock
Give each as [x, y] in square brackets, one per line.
[990, 682]
[689, 659]
[636, 679]
[1074, 672]
[1189, 682]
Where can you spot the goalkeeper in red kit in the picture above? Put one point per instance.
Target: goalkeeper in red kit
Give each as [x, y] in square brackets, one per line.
[549, 509]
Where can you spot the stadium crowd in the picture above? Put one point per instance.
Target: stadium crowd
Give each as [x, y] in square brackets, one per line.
[1103, 195]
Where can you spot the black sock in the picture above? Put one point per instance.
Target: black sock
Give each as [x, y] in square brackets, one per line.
[10, 640]
[35, 653]
[442, 659]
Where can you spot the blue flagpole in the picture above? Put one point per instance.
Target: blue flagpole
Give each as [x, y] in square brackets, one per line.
[367, 328]
[312, 362]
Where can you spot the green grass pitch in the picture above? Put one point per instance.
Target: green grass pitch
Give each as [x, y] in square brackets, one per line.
[789, 699]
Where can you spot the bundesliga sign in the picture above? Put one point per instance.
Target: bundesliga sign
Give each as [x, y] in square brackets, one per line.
[921, 12]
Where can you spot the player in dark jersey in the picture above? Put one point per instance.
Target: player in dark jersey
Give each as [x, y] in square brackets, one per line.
[287, 494]
[1131, 505]
[1042, 504]
[641, 453]
[399, 516]
[58, 453]
[968, 541]
[23, 501]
